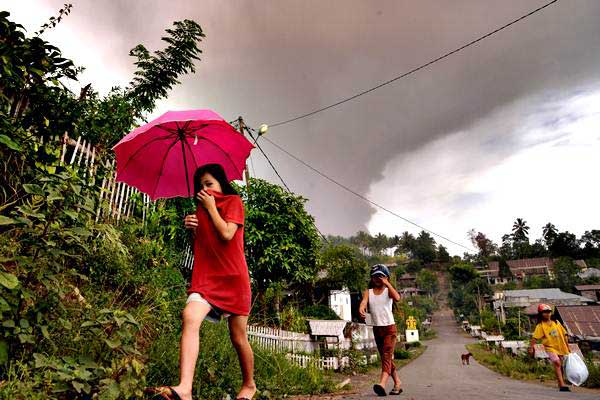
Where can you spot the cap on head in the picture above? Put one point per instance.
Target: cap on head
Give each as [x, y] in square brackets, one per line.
[544, 307]
[381, 270]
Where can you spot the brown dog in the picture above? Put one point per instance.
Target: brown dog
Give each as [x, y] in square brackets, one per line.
[464, 358]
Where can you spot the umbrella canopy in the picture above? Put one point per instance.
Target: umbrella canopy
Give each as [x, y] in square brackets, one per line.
[161, 157]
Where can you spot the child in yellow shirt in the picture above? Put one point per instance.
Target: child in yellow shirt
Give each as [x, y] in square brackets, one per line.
[554, 338]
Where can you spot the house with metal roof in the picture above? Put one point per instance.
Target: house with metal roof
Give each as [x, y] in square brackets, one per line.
[582, 322]
[527, 267]
[589, 273]
[530, 298]
[521, 269]
[592, 292]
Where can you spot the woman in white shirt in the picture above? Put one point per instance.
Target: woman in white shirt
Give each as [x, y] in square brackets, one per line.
[379, 298]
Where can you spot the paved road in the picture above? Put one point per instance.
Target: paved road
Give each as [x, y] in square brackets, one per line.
[438, 374]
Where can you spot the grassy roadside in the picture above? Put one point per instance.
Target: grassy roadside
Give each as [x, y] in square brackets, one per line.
[519, 367]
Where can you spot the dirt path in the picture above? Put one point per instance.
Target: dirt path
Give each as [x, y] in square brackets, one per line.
[438, 374]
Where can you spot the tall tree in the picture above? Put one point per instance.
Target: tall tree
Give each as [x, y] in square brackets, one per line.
[425, 248]
[443, 255]
[520, 230]
[565, 245]
[282, 243]
[345, 266]
[549, 233]
[485, 245]
[504, 270]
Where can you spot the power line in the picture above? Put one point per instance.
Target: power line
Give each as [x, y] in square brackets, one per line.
[412, 71]
[346, 188]
[269, 161]
[248, 129]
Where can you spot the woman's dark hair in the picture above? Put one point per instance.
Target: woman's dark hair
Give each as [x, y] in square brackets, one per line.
[218, 173]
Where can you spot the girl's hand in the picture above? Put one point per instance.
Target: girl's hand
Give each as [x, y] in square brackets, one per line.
[190, 221]
[206, 199]
[363, 312]
[385, 280]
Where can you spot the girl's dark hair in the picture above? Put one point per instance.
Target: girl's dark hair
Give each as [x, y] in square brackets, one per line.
[218, 173]
[540, 319]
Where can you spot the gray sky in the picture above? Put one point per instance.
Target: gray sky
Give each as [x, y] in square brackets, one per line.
[507, 128]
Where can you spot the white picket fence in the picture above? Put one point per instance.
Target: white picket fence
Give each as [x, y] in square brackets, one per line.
[115, 198]
[278, 340]
[322, 363]
[296, 345]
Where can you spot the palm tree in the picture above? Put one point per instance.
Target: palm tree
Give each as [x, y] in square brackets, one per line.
[520, 230]
[549, 233]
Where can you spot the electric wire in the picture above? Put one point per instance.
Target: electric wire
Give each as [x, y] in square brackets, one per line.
[364, 198]
[412, 71]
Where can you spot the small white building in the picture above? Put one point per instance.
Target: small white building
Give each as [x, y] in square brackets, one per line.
[339, 302]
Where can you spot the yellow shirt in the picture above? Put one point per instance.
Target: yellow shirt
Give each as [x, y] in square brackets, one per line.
[553, 337]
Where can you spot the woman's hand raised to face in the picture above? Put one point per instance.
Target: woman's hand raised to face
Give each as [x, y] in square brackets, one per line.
[206, 199]
[190, 221]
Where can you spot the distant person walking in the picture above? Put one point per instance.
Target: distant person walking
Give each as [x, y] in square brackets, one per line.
[554, 338]
[220, 284]
[379, 299]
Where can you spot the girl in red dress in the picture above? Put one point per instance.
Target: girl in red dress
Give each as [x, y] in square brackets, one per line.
[220, 281]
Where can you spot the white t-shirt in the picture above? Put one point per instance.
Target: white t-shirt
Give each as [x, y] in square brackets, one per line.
[380, 307]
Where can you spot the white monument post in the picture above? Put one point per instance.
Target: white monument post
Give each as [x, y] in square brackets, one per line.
[412, 334]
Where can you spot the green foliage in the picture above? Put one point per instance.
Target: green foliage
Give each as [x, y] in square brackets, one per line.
[292, 319]
[593, 380]
[414, 266]
[217, 371]
[425, 248]
[565, 274]
[428, 281]
[518, 367]
[345, 267]
[319, 311]
[282, 242]
[462, 273]
[400, 354]
[503, 269]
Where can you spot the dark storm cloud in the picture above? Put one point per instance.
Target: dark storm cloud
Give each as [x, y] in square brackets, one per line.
[271, 60]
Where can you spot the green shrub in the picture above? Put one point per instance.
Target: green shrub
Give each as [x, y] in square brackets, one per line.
[319, 311]
[400, 354]
[218, 372]
[593, 380]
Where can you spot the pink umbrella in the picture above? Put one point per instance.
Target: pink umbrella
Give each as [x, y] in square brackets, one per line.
[160, 157]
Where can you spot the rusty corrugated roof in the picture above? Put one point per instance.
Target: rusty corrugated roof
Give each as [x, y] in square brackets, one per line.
[582, 321]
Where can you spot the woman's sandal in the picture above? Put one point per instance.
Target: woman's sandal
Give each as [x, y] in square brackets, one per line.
[395, 391]
[165, 392]
[379, 390]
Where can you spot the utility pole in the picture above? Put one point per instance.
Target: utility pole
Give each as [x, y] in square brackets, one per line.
[479, 306]
[246, 172]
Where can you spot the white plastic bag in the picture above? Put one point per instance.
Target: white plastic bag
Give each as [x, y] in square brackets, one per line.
[575, 369]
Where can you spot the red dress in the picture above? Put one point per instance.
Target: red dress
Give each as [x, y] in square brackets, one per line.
[220, 272]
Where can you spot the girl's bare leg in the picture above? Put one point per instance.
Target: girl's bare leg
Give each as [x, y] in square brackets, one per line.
[239, 339]
[397, 381]
[384, 379]
[193, 315]
[559, 375]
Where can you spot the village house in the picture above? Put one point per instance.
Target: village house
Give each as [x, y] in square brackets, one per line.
[589, 273]
[340, 303]
[410, 292]
[528, 300]
[583, 323]
[521, 269]
[407, 280]
[592, 292]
